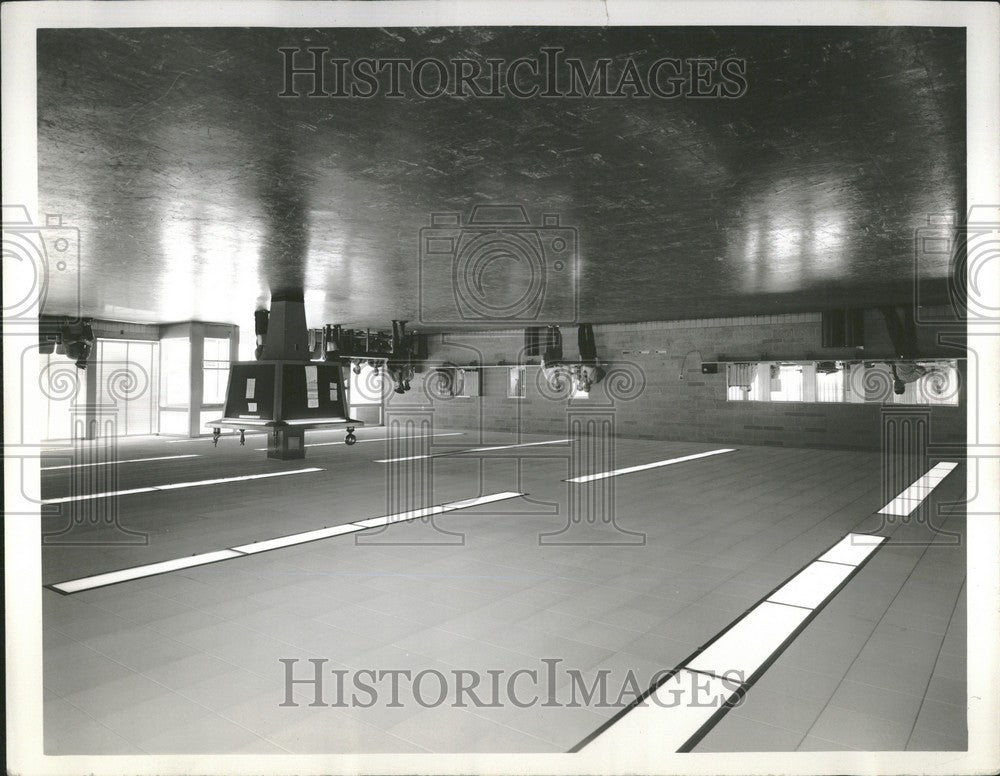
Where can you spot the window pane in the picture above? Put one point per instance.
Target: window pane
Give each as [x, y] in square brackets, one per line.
[175, 371]
[742, 381]
[921, 382]
[940, 384]
[741, 393]
[515, 383]
[216, 349]
[937, 385]
[786, 383]
[214, 386]
[215, 372]
[830, 386]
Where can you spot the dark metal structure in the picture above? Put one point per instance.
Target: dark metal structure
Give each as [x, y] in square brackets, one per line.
[285, 393]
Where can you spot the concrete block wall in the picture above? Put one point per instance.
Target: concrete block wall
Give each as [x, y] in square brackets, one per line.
[644, 391]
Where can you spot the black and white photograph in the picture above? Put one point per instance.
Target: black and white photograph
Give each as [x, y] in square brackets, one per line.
[460, 387]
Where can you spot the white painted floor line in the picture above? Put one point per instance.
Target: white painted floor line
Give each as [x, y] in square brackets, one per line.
[811, 586]
[480, 500]
[240, 551]
[299, 538]
[523, 444]
[673, 713]
[400, 517]
[912, 497]
[471, 450]
[745, 647]
[725, 666]
[177, 485]
[138, 572]
[376, 439]
[852, 549]
[372, 522]
[111, 463]
[643, 467]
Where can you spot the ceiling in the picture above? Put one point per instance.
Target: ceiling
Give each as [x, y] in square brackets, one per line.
[197, 190]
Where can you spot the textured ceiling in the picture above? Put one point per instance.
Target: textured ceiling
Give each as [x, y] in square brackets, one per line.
[198, 190]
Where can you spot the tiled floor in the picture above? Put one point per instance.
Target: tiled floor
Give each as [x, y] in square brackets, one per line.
[190, 661]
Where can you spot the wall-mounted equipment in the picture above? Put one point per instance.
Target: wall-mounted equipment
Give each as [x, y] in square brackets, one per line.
[73, 339]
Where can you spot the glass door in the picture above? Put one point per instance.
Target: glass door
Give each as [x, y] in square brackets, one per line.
[128, 383]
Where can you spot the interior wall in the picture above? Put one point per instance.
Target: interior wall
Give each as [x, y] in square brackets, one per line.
[647, 398]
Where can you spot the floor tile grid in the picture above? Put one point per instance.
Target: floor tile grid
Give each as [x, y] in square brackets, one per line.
[241, 470]
[759, 608]
[304, 695]
[166, 690]
[720, 586]
[900, 589]
[736, 712]
[765, 465]
[924, 698]
[165, 512]
[234, 553]
[806, 529]
[171, 542]
[788, 470]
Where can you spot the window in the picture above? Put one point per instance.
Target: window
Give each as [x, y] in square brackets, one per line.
[312, 387]
[937, 385]
[830, 385]
[786, 382]
[215, 368]
[175, 372]
[515, 382]
[742, 382]
[934, 382]
[742, 392]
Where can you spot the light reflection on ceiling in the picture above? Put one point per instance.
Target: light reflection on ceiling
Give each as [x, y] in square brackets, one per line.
[198, 191]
